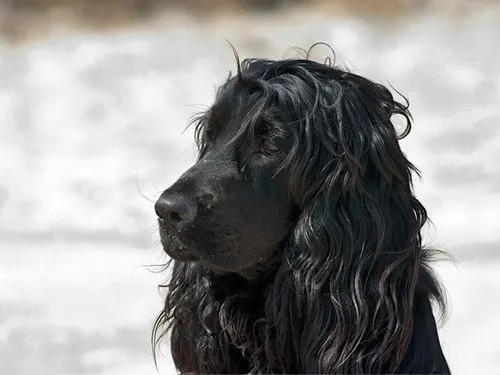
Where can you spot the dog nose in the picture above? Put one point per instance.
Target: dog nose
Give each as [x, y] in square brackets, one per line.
[177, 210]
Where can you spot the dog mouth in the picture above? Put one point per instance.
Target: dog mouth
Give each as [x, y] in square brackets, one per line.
[174, 247]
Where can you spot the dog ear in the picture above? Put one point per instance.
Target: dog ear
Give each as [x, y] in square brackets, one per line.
[353, 260]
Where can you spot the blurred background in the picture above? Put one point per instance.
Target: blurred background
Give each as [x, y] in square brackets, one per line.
[94, 96]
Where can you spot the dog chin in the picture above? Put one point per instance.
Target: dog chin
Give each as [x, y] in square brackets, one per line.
[259, 270]
[177, 250]
[179, 253]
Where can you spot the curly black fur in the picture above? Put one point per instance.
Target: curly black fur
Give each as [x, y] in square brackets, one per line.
[306, 253]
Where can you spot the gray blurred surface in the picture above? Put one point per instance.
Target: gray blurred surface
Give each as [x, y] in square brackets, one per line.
[90, 122]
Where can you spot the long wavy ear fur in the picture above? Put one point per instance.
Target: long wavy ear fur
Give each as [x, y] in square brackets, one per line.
[355, 261]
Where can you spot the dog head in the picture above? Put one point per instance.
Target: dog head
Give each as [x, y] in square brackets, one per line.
[283, 148]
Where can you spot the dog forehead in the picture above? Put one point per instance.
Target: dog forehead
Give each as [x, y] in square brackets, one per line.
[231, 120]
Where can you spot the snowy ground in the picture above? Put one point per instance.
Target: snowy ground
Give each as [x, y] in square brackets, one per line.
[91, 123]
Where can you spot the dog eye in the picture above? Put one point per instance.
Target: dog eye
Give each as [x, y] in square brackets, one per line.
[268, 148]
[209, 134]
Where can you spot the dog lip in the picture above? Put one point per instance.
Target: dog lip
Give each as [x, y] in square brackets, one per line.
[181, 257]
[173, 246]
[176, 250]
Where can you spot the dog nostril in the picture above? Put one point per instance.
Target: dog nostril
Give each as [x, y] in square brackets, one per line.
[158, 213]
[175, 217]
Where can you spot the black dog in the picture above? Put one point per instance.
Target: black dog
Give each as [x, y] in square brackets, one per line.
[296, 237]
